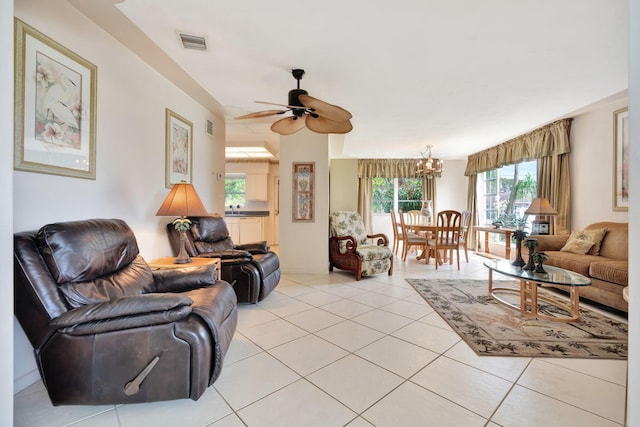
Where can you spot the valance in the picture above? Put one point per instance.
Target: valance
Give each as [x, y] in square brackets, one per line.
[549, 140]
[387, 168]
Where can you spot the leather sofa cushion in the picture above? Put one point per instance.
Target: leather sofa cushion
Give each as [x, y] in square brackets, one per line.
[84, 250]
[134, 279]
[611, 271]
[209, 229]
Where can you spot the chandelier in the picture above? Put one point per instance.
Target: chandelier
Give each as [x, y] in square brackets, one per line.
[428, 166]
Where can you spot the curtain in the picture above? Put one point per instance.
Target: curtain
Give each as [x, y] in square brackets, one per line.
[365, 193]
[472, 206]
[550, 140]
[555, 185]
[550, 146]
[388, 168]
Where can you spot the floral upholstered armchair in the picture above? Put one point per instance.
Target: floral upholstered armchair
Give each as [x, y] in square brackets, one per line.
[350, 248]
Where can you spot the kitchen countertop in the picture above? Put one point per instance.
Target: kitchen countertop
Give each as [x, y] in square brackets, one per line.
[244, 214]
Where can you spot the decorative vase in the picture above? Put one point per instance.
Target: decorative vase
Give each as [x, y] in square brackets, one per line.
[531, 244]
[531, 265]
[539, 258]
[427, 212]
[519, 236]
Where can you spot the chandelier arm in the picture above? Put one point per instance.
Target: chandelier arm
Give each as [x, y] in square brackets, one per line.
[429, 167]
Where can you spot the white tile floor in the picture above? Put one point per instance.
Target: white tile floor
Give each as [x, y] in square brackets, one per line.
[325, 350]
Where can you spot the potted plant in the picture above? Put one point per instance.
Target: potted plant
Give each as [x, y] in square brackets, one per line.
[539, 258]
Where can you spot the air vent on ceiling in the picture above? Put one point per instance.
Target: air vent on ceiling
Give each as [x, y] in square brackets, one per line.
[190, 41]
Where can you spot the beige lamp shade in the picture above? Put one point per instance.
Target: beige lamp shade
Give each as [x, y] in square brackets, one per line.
[541, 207]
[182, 201]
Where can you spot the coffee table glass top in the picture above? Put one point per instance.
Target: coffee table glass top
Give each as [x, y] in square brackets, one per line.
[553, 275]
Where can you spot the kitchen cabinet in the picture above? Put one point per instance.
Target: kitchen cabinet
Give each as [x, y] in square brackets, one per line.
[245, 229]
[256, 186]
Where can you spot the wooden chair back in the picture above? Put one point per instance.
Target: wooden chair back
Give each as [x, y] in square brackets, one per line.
[410, 238]
[465, 224]
[447, 236]
[398, 234]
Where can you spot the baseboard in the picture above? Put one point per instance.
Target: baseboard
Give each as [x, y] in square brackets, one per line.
[25, 381]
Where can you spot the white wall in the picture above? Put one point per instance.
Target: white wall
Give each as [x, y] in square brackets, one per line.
[130, 156]
[343, 194]
[592, 164]
[452, 187]
[6, 214]
[304, 246]
[633, 391]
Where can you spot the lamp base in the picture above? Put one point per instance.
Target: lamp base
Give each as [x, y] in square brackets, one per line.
[181, 260]
[183, 257]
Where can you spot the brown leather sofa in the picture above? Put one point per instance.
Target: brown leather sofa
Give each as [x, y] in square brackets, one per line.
[252, 269]
[105, 328]
[608, 270]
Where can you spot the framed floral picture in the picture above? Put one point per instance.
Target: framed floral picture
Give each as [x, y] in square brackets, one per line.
[621, 160]
[55, 107]
[303, 188]
[179, 149]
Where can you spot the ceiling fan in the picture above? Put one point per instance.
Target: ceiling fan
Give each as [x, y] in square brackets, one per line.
[318, 116]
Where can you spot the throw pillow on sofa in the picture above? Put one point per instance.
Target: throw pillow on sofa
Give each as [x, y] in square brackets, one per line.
[584, 241]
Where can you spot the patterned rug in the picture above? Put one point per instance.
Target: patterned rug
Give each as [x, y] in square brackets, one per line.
[492, 329]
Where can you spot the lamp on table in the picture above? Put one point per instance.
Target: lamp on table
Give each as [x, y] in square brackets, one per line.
[540, 207]
[182, 201]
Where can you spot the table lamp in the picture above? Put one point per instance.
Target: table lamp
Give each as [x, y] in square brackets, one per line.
[182, 201]
[540, 207]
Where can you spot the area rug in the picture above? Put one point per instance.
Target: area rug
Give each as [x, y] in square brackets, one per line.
[491, 329]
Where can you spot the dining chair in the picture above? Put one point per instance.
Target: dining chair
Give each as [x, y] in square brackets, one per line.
[413, 217]
[398, 233]
[446, 237]
[410, 238]
[465, 225]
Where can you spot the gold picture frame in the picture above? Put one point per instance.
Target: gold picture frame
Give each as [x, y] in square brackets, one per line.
[179, 149]
[621, 160]
[303, 192]
[55, 107]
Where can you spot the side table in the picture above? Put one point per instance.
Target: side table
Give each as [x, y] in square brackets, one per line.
[167, 263]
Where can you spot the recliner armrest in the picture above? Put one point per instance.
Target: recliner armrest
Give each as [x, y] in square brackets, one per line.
[184, 279]
[254, 247]
[124, 313]
[228, 254]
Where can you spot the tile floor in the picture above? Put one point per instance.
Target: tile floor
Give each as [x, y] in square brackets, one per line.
[325, 350]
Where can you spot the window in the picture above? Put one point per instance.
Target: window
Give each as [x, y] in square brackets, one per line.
[505, 193]
[235, 190]
[396, 194]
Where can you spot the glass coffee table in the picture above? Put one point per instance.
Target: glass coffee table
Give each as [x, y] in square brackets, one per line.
[528, 290]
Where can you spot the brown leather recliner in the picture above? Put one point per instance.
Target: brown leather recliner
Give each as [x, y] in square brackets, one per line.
[105, 328]
[252, 269]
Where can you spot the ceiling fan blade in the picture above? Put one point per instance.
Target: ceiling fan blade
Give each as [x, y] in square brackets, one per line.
[324, 125]
[293, 107]
[328, 111]
[288, 125]
[265, 113]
